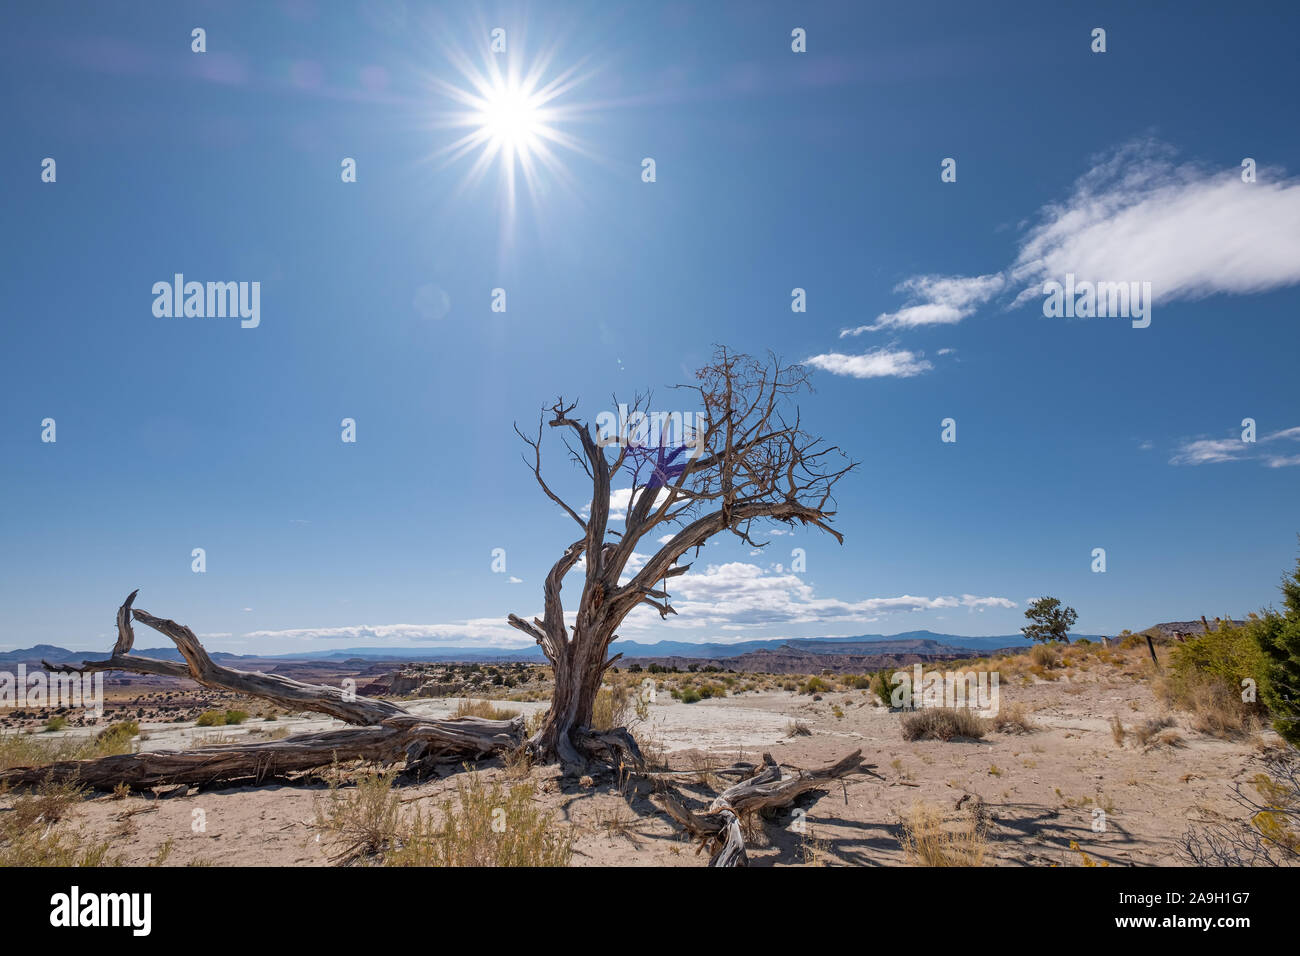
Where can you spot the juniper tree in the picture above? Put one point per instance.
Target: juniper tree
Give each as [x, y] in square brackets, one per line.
[1049, 620]
[746, 462]
[1278, 635]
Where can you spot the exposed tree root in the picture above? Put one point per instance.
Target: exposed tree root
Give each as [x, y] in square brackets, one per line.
[720, 827]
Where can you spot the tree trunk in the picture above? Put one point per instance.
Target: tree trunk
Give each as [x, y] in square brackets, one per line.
[572, 702]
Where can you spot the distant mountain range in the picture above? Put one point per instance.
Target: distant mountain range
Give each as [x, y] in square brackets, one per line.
[909, 642]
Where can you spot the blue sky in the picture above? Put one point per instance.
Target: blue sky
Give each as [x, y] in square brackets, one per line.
[775, 170]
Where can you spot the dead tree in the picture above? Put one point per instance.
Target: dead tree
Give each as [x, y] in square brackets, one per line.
[745, 462]
[384, 732]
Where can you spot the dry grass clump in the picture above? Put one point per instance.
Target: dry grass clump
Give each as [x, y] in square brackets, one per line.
[1158, 732]
[1045, 656]
[1013, 720]
[943, 723]
[485, 825]
[485, 709]
[1216, 708]
[930, 840]
[797, 728]
[482, 825]
[31, 833]
[1117, 730]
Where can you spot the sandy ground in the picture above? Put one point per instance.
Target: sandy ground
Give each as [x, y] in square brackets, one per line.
[1039, 790]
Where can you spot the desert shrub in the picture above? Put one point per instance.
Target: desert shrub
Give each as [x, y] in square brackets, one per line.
[1278, 638]
[484, 709]
[1229, 654]
[1013, 720]
[236, 716]
[612, 707]
[31, 833]
[364, 819]
[116, 737]
[882, 684]
[1146, 730]
[1045, 655]
[1205, 678]
[1117, 731]
[712, 690]
[534, 721]
[56, 723]
[814, 685]
[211, 718]
[797, 728]
[930, 840]
[25, 750]
[688, 695]
[943, 723]
[485, 825]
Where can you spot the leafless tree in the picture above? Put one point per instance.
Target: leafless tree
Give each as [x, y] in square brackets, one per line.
[745, 463]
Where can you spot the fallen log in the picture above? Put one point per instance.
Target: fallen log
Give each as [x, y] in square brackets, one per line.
[383, 732]
[461, 737]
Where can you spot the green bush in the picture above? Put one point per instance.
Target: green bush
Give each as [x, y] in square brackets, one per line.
[883, 685]
[1278, 638]
[116, 737]
[814, 685]
[1228, 654]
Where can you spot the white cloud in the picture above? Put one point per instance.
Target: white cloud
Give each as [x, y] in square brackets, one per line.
[515, 580]
[1209, 451]
[1136, 216]
[738, 593]
[620, 502]
[877, 363]
[735, 596]
[492, 632]
[935, 300]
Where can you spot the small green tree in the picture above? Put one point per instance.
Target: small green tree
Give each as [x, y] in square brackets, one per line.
[1278, 635]
[1050, 620]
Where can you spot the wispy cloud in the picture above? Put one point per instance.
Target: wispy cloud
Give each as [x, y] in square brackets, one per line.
[935, 300]
[1209, 451]
[1189, 230]
[877, 363]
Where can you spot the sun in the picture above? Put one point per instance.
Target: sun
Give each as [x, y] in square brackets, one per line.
[512, 117]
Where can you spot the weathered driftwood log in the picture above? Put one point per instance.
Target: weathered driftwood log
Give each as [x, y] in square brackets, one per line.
[768, 789]
[394, 741]
[385, 732]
